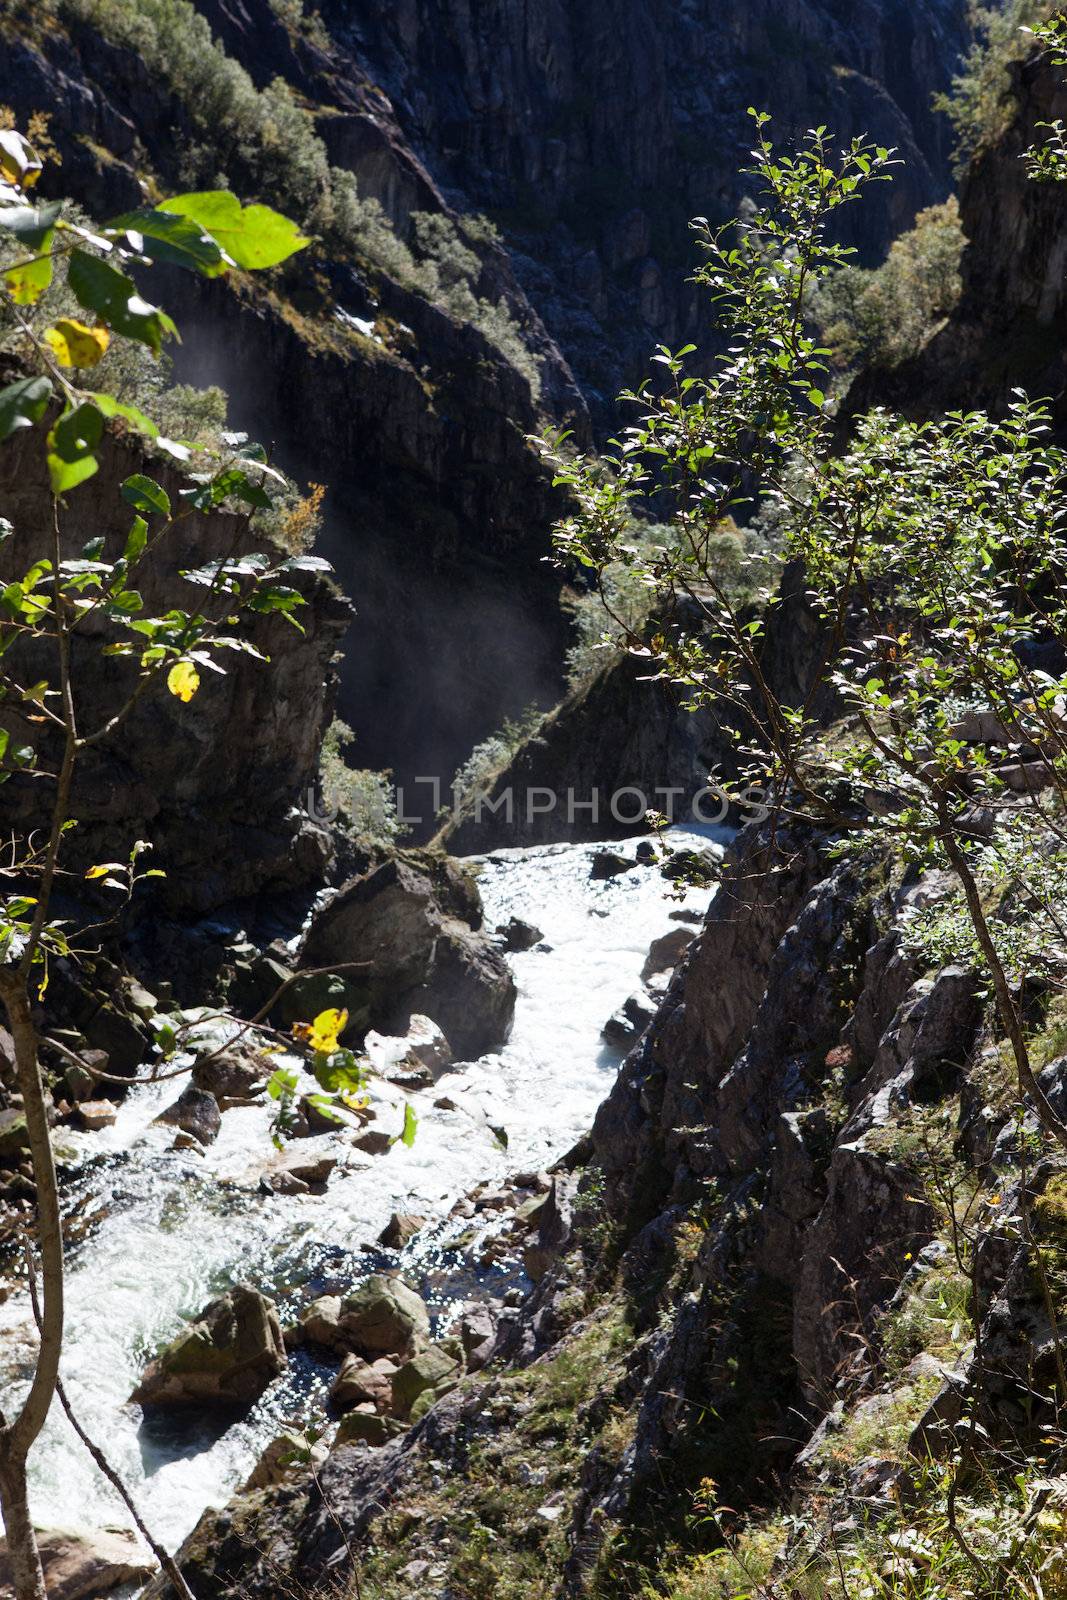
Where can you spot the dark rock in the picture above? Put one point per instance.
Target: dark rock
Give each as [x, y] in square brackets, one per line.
[666, 951]
[412, 922]
[516, 935]
[629, 1022]
[195, 1111]
[401, 1227]
[609, 864]
[228, 1356]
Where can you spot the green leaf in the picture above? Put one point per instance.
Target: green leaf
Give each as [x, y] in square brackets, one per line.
[22, 404]
[144, 494]
[177, 240]
[27, 281]
[114, 298]
[252, 236]
[137, 419]
[138, 538]
[71, 446]
[411, 1123]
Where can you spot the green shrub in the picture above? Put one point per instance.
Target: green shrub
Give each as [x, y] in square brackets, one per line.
[979, 103]
[885, 315]
[364, 801]
[266, 139]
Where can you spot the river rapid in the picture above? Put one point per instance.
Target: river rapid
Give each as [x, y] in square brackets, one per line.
[159, 1233]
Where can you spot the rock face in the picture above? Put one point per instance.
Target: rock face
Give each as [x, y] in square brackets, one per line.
[415, 925]
[167, 776]
[597, 128]
[591, 133]
[1007, 331]
[81, 1566]
[227, 1357]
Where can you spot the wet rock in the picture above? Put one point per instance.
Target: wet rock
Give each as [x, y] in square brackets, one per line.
[364, 1425]
[607, 864]
[296, 1172]
[234, 1075]
[285, 1458]
[96, 1114]
[415, 921]
[361, 1381]
[413, 1059]
[228, 1356]
[477, 1333]
[384, 1317]
[629, 1022]
[515, 935]
[373, 1142]
[423, 1380]
[402, 1226]
[666, 951]
[195, 1111]
[81, 1566]
[186, 1141]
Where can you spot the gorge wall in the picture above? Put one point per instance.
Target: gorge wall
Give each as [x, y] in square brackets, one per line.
[589, 135]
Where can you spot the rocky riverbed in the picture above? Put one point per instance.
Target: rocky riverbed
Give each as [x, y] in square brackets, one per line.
[163, 1231]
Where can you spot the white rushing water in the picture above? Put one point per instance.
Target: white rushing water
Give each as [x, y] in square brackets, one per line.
[166, 1231]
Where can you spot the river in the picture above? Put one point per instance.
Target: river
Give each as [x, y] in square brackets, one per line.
[161, 1232]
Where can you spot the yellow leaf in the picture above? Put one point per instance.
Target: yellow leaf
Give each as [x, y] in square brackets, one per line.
[74, 344]
[322, 1034]
[98, 872]
[19, 162]
[183, 680]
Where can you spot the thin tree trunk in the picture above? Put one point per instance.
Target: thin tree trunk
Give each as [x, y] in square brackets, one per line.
[26, 1574]
[17, 1435]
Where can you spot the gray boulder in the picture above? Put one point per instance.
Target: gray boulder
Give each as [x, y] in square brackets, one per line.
[228, 1356]
[196, 1112]
[384, 1318]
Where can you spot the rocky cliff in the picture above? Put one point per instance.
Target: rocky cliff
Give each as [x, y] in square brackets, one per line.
[791, 1256]
[589, 135]
[220, 787]
[594, 132]
[1008, 330]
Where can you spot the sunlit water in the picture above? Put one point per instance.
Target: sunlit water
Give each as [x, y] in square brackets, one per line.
[166, 1231]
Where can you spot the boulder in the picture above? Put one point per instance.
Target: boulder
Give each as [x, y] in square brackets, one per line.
[195, 1111]
[81, 1566]
[422, 1381]
[366, 1426]
[321, 1321]
[361, 1381]
[413, 1059]
[234, 1075]
[402, 1226]
[470, 992]
[415, 921]
[629, 1022]
[609, 864]
[384, 1318]
[96, 1114]
[666, 951]
[228, 1356]
[516, 935]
